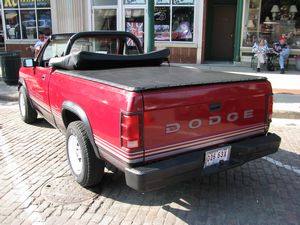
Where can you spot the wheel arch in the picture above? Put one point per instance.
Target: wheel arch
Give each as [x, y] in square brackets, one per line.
[22, 83]
[72, 112]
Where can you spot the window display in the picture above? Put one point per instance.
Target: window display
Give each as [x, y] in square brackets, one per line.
[182, 24]
[174, 21]
[28, 25]
[162, 24]
[105, 19]
[134, 23]
[44, 21]
[11, 21]
[24, 19]
[269, 19]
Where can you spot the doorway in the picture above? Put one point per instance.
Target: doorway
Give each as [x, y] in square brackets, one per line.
[220, 30]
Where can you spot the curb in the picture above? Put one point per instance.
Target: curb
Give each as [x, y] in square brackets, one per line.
[286, 91]
[286, 114]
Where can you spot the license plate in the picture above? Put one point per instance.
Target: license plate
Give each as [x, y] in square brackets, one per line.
[214, 156]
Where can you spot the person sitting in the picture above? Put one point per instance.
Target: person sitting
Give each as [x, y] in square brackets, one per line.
[38, 45]
[283, 50]
[260, 51]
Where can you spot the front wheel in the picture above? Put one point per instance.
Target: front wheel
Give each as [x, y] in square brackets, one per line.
[87, 169]
[27, 112]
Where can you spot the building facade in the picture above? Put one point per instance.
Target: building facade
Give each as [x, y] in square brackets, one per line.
[196, 31]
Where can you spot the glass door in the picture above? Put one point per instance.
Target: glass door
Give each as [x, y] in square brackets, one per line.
[105, 14]
[134, 22]
[105, 18]
[123, 15]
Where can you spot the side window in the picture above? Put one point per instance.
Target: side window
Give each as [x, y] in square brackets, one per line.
[54, 49]
[48, 53]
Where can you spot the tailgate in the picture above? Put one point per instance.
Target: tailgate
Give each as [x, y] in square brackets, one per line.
[179, 120]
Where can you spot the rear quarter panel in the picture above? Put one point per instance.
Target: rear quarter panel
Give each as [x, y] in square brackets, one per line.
[102, 104]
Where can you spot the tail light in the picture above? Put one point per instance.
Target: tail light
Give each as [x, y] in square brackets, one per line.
[131, 138]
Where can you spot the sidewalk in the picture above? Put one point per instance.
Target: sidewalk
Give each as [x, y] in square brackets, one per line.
[286, 87]
[8, 93]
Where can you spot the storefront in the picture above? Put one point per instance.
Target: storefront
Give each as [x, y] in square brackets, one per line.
[268, 20]
[23, 20]
[175, 26]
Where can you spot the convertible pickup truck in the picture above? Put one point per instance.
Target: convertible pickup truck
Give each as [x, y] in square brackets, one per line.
[159, 124]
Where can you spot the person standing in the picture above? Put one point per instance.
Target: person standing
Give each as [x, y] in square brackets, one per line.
[283, 50]
[260, 50]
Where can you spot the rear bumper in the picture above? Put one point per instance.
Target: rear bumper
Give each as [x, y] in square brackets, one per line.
[183, 167]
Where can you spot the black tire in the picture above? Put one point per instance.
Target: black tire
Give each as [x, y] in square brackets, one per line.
[87, 169]
[28, 114]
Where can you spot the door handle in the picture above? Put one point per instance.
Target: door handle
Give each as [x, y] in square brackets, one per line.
[44, 77]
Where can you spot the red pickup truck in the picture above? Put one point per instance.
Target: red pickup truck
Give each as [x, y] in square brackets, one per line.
[159, 124]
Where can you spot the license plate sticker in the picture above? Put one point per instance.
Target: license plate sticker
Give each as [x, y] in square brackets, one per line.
[214, 156]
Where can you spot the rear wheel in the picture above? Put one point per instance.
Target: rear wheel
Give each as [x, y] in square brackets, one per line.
[28, 114]
[87, 169]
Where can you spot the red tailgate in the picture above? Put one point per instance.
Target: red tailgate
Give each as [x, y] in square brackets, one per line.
[178, 120]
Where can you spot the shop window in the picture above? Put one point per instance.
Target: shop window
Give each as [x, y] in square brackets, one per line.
[105, 19]
[270, 19]
[33, 15]
[174, 20]
[162, 23]
[134, 23]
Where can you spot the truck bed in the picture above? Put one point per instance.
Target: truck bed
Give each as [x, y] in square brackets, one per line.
[149, 78]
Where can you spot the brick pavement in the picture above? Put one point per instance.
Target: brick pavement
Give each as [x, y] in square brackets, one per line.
[32, 159]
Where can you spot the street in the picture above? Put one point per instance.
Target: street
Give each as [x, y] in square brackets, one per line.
[36, 186]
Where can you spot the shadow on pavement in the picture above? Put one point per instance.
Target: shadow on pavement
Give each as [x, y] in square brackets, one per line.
[259, 192]
[41, 122]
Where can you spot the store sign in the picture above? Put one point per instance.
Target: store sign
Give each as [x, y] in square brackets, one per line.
[14, 3]
[10, 3]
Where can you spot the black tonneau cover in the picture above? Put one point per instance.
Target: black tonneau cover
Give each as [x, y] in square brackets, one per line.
[95, 61]
[149, 78]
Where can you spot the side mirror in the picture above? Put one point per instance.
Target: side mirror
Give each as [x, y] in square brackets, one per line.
[29, 63]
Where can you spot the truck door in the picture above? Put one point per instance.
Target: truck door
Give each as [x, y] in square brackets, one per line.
[40, 90]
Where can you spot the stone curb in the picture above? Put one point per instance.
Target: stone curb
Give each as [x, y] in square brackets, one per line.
[286, 114]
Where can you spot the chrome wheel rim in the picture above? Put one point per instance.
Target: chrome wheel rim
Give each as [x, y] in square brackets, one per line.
[75, 154]
[22, 104]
